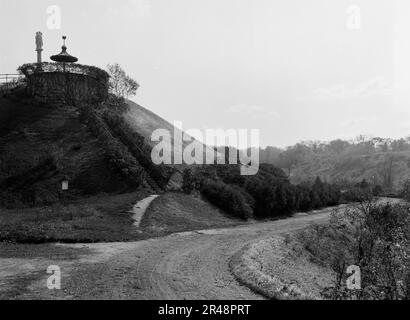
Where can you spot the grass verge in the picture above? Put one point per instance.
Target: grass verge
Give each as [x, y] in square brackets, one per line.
[96, 219]
[177, 212]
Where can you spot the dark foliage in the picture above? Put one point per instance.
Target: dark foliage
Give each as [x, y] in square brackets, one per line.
[118, 156]
[377, 190]
[190, 181]
[371, 235]
[138, 147]
[269, 193]
[227, 198]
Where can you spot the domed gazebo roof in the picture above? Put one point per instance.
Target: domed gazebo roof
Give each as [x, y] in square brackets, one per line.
[63, 56]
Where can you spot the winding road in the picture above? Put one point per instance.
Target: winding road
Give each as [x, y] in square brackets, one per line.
[189, 265]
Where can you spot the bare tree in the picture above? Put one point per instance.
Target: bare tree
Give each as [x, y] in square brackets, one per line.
[121, 84]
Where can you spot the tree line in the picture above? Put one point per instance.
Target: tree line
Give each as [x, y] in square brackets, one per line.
[268, 194]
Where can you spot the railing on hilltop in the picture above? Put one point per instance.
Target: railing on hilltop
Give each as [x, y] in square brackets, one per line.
[49, 67]
[9, 81]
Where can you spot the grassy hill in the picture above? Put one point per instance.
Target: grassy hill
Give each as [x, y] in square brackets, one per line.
[40, 145]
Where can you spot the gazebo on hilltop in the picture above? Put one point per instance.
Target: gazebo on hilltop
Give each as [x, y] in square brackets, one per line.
[64, 82]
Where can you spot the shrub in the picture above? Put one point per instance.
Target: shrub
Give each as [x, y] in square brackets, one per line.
[303, 198]
[190, 182]
[371, 235]
[226, 198]
[357, 194]
[405, 190]
[377, 190]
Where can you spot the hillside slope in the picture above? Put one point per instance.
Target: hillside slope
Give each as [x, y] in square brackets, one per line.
[40, 145]
[99, 149]
[146, 122]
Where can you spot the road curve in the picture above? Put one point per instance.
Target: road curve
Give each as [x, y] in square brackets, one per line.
[190, 265]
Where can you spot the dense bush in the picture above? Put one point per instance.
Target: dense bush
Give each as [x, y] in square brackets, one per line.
[279, 198]
[190, 182]
[117, 155]
[377, 190]
[361, 191]
[127, 150]
[138, 147]
[269, 193]
[227, 198]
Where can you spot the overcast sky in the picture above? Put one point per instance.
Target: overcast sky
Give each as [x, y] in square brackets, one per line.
[291, 68]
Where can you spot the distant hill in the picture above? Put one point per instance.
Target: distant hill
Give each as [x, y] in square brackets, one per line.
[384, 162]
[385, 169]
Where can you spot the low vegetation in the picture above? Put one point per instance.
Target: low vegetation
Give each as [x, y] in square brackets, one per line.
[371, 235]
[405, 190]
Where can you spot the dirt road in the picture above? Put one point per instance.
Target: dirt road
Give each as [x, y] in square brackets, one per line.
[190, 265]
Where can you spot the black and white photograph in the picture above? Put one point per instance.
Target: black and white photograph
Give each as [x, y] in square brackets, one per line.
[210, 158]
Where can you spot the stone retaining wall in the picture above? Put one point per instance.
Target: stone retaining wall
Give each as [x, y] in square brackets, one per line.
[59, 88]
